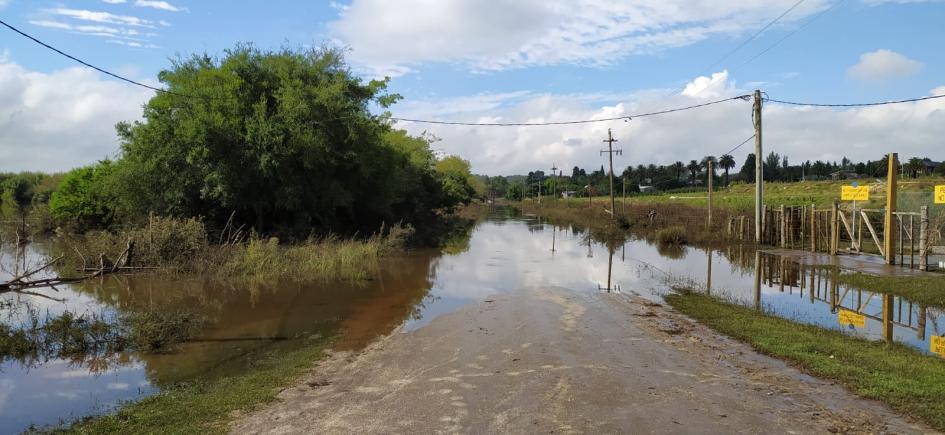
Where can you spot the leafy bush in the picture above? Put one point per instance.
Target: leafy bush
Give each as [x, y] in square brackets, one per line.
[675, 235]
[84, 198]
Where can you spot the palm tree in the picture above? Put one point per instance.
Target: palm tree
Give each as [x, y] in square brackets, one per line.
[726, 162]
[678, 169]
[693, 168]
[914, 166]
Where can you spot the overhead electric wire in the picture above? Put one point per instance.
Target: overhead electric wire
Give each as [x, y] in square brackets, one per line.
[878, 103]
[752, 37]
[739, 145]
[101, 70]
[584, 121]
[785, 37]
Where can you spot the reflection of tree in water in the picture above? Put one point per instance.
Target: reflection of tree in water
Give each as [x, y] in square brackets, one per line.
[671, 250]
[83, 340]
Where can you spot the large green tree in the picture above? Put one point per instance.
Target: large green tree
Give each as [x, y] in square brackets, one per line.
[285, 139]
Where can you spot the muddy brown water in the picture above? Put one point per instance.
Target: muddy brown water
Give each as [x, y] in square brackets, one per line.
[246, 321]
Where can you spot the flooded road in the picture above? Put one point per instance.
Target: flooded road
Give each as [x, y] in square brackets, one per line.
[501, 256]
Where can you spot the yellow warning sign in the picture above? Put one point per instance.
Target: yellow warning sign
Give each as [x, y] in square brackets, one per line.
[940, 194]
[855, 193]
[848, 317]
[938, 345]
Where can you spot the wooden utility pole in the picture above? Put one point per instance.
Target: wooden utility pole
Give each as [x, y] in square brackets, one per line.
[554, 182]
[610, 155]
[891, 187]
[709, 169]
[759, 172]
[539, 191]
[624, 204]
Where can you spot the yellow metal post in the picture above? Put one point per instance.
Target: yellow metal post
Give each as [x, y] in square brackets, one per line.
[887, 318]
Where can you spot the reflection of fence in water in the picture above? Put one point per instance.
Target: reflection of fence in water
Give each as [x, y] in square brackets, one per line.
[822, 284]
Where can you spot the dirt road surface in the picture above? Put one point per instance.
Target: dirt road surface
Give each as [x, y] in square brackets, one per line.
[551, 360]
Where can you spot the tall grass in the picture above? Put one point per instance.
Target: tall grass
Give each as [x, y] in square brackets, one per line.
[324, 259]
[181, 246]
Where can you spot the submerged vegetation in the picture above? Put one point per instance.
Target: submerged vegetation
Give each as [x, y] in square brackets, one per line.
[895, 374]
[174, 245]
[674, 235]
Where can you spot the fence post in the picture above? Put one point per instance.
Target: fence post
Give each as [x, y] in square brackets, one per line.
[924, 238]
[783, 227]
[813, 228]
[834, 228]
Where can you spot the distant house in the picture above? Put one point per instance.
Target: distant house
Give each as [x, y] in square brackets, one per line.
[844, 174]
[648, 189]
[568, 194]
[929, 166]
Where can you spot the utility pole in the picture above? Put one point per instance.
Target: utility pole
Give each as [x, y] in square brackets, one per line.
[889, 221]
[554, 182]
[539, 191]
[610, 154]
[709, 226]
[759, 172]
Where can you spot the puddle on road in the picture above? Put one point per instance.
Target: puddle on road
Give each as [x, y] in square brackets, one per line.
[502, 253]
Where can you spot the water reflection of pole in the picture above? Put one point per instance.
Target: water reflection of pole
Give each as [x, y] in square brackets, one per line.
[757, 280]
[553, 232]
[810, 290]
[610, 265]
[708, 278]
[887, 317]
[590, 254]
[920, 324]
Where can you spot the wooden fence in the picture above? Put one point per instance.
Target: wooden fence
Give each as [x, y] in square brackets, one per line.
[835, 229]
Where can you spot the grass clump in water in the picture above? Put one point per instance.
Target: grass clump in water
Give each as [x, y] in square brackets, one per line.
[924, 290]
[905, 379]
[675, 235]
[324, 259]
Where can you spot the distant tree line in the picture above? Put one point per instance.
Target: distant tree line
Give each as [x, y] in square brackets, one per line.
[683, 176]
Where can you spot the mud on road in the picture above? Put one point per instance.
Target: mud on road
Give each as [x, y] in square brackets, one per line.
[554, 360]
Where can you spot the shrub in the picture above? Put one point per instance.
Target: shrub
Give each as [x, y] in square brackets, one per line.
[675, 235]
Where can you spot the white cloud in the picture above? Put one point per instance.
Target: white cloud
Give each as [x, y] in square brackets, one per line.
[395, 36]
[63, 119]
[801, 133]
[128, 34]
[103, 24]
[883, 64]
[115, 2]
[162, 5]
[101, 17]
[705, 87]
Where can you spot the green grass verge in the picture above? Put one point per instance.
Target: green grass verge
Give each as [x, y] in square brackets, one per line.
[897, 375]
[206, 407]
[923, 290]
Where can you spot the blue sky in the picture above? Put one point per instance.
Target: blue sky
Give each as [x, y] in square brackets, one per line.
[509, 60]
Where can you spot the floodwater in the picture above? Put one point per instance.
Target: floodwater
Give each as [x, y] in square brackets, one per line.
[504, 252]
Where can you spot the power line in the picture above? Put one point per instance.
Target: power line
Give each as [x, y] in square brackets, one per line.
[740, 145]
[785, 37]
[101, 70]
[752, 37]
[585, 121]
[879, 103]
